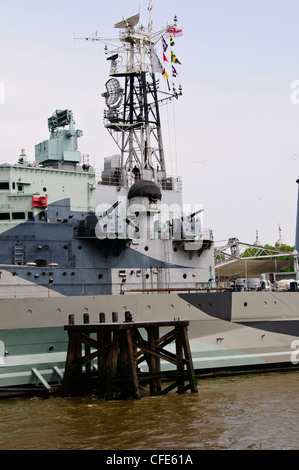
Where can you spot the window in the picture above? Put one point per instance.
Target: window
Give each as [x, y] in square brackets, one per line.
[4, 216]
[4, 185]
[18, 215]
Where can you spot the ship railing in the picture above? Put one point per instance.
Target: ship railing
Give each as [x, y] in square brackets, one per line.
[178, 289]
[172, 183]
[207, 234]
[111, 178]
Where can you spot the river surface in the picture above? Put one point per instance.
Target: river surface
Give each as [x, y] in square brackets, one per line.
[246, 412]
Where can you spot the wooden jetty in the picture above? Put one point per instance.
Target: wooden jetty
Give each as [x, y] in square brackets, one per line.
[107, 359]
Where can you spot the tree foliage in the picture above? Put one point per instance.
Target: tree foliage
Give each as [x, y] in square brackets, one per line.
[267, 250]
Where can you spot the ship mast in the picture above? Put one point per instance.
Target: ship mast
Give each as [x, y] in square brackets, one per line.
[133, 117]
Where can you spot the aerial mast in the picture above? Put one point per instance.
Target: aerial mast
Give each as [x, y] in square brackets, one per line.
[132, 115]
[135, 123]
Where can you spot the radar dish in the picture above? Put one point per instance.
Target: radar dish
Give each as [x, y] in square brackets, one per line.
[114, 93]
[129, 22]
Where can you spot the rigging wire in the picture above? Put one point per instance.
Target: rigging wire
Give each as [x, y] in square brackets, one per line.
[169, 138]
[175, 141]
[239, 202]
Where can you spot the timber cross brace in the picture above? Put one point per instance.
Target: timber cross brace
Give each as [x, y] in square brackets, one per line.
[110, 359]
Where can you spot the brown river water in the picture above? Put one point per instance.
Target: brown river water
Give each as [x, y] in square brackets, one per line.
[245, 412]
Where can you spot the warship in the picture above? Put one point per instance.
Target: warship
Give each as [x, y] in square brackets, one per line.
[73, 244]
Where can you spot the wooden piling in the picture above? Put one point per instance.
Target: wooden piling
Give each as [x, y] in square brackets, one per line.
[112, 365]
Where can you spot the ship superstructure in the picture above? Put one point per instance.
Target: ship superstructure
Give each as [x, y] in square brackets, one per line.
[170, 247]
[70, 244]
[68, 234]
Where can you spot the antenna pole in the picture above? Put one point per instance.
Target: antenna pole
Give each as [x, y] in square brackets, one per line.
[150, 25]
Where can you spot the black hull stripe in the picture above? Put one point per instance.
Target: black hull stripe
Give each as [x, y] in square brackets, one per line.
[219, 305]
[284, 327]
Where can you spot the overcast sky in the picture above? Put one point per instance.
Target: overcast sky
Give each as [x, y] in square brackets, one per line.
[234, 134]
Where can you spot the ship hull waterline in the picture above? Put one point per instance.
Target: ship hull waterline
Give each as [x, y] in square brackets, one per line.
[228, 331]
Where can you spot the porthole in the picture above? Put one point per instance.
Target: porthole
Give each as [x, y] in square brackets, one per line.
[100, 276]
[245, 304]
[51, 348]
[146, 248]
[184, 276]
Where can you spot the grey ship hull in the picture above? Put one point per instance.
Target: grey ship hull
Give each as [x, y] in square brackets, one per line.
[73, 245]
[228, 331]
